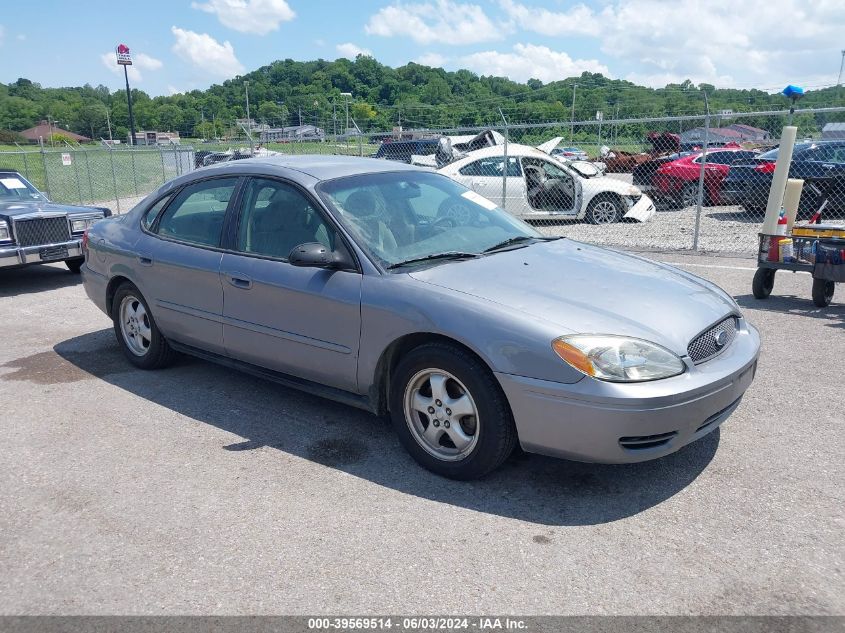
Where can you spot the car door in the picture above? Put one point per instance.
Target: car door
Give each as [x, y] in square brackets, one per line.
[484, 176]
[178, 264]
[305, 322]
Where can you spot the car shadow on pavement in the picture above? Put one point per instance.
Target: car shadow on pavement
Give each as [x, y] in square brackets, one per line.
[271, 417]
[801, 306]
[31, 279]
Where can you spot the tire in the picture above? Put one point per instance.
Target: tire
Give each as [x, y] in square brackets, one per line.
[823, 292]
[688, 197]
[764, 281]
[604, 209]
[147, 348]
[75, 265]
[484, 434]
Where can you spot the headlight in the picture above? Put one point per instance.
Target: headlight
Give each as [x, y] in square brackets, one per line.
[617, 358]
[77, 226]
[5, 235]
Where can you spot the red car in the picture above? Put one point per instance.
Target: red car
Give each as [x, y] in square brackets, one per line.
[677, 180]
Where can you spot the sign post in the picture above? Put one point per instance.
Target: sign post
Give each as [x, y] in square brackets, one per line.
[124, 58]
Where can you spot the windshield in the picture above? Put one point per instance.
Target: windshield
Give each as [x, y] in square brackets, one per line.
[14, 187]
[408, 215]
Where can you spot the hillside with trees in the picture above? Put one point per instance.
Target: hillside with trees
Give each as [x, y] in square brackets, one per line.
[289, 92]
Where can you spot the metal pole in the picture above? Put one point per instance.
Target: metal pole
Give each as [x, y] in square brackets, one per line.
[114, 179]
[44, 164]
[88, 169]
[572, 120]
[129, 104]
[505, 164]
[25, 166]
[700, 201]
[134, 171]
[163, 170]
[246, 87]
[76, 174]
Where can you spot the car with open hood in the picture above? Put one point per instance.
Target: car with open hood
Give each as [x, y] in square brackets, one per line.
[350, 278]
[34, 230]
[538, 185]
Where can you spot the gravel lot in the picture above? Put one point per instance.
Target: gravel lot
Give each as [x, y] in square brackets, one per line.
[724, 230]
[201, 490]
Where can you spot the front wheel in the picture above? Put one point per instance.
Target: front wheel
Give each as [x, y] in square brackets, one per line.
[450, 413]
[136, 331]
[764, 281]
[604, 210]
[823, 292]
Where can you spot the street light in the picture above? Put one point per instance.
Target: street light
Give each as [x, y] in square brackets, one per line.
[246, 87]
[346, 96]
[572, 120]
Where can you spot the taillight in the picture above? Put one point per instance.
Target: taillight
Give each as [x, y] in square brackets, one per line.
[766, 168]
[85, 242]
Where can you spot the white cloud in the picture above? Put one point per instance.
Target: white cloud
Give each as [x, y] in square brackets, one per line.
[173, 90]
[351, 51]
[530, 61]
[140, 61]
[204, 52]
[441, 21]
[579, 20]
[21, 37]
[249, 16]
[435, 60]
[762, 43]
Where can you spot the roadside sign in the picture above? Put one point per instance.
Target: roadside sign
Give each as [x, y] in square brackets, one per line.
[124, 58]
[67, 160]
[599, 115]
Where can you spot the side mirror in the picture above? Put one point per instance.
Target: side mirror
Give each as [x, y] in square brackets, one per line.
[316, 255]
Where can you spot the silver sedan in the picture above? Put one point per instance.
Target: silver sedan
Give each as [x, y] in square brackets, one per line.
[354, 279]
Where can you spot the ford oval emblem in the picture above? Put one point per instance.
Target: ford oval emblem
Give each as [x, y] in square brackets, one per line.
[721, 339]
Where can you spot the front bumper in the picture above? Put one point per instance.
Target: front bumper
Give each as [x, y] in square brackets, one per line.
[596, 421]
[40, 254]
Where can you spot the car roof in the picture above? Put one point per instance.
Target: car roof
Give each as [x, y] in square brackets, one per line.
[301, 167]
[514, 149]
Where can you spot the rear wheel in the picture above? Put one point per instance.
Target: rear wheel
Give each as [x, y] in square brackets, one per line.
[136, 331]
[823, 292]
[604, 209]
[688, 196]
[764, 281]
[75, 265]
[450, 412]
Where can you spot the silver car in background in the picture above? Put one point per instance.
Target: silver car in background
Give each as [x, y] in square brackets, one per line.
[349, 278]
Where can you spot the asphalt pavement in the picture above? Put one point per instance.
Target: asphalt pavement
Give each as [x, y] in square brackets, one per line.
[200, 490]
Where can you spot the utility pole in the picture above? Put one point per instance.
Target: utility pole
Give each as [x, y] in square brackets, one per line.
[246, 88]
[572, 120]
[346, 96]
[108, 122]
[839, 79]
[300, 116]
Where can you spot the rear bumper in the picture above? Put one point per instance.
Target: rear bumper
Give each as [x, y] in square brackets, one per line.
[95, 286]
[596, 421]
[24, 256]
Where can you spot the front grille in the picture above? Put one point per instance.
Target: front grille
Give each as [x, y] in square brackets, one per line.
[712, 342]
[37, 231]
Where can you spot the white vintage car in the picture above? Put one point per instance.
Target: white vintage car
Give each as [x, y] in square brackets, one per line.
[540, 186]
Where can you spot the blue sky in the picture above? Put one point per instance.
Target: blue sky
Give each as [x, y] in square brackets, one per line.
[185, 44]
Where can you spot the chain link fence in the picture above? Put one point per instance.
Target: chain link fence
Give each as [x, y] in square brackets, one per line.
[101, 176]
[683, 183]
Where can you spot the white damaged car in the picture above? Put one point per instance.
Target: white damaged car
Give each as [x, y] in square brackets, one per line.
[540, 186]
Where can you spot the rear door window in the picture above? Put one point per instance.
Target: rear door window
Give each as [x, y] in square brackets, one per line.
[197, 212]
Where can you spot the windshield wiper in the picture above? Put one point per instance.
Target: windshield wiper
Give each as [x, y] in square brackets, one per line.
[518, 240]
[426, 258]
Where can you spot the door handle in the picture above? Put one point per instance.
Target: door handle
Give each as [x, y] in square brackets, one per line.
[145, 261]
[239, 281]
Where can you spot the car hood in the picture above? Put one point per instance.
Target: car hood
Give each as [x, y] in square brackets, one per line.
[21, 208]
[587, 289]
